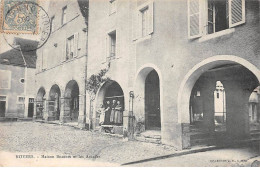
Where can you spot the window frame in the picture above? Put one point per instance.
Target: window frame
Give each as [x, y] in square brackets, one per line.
[18, 102]
[112, 36]
[64, 15]
[6, 102]
[202, 21]
[137, 21]
[112, 6]
[9, 79]
[145, 21]
[70, 39]
[52, 23]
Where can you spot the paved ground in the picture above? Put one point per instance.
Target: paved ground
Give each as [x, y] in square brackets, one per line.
[50, 139]
[93, 149]
[235, 157]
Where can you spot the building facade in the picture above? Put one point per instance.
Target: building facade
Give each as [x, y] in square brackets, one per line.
[17, 70]
[61, 66]
[187, 70]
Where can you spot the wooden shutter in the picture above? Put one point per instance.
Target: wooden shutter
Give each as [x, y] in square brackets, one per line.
[236, 12]
[118, 38]
[194, 19]
[150, 18]
[104, 51]
[64, 50]
[135, 25]
[76, 40]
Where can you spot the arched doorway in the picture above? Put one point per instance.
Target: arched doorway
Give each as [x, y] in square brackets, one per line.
[147, 101]
[54, 103]
[110, 95]
[152, 101]
[230, 80]
[40, 100]
[71, 101]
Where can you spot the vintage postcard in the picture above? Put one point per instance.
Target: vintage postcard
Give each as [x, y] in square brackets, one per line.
[139, 83]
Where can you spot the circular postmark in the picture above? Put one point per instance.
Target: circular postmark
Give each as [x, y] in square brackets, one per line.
[26, 25]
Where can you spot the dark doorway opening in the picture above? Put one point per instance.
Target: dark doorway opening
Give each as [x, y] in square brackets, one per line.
[152, 102]
[2, 108]
[30, 107]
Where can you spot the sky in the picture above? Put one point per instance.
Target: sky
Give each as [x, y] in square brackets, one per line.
[3, 44]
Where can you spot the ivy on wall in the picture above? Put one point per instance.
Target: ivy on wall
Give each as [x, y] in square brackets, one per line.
[95, 81]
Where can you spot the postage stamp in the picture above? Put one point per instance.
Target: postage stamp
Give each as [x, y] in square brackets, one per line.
[24, 19]
[19, 17]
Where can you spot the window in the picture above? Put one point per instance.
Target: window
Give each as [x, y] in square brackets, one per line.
[219, 15]
[112, 7]
[52, 23]
[143, 20]
[5, 79]
[31, 100]
[2, 98]
[145, 23]
[71, 46]
[112, 42]
[64, 15]
[22, 80]
[20, 99]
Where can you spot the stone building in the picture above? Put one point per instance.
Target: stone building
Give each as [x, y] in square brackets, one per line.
[191, 67]
[61, 65]
[17, 70]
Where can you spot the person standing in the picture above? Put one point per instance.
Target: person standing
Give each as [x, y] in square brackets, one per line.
[107, 113]
[101, 112]
[118, 113]
[112, 115]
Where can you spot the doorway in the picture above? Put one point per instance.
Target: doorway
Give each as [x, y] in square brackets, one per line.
[30, 107]
[2, 108]
[152, 101]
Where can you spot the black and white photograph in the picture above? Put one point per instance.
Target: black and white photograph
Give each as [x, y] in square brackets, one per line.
[129, 83]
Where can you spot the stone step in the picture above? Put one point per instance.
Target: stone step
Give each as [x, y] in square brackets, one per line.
[203, 141]
[25, 119]
[8, 119]
[148, 140]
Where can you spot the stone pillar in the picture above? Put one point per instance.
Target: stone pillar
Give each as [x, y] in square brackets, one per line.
[34, 110]
[82, 115]
[65, 110]
[51, 116]
[45, 110]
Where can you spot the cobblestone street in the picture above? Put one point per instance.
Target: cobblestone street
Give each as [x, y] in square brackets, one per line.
[51, 139]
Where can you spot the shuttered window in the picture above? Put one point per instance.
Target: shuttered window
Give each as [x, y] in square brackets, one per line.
[194, 15]
[220, 15]
[143, 20]
[71, 46]
[236, 12]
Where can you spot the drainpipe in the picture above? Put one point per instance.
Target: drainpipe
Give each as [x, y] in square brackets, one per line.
[86, 64]
[25, 80]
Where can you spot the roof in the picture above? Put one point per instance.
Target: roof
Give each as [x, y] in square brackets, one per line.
[15, 57]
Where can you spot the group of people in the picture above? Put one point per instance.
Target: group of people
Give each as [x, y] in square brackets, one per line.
[111, 113]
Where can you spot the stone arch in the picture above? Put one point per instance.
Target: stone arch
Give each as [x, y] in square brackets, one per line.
[54, 102]
[71, 101]
[140, 107]
[109, 90]
[39, 103]
[40, 94]
[193, 75]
